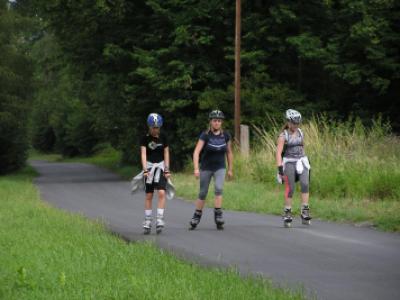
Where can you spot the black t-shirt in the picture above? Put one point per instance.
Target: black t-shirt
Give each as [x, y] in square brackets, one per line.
[214, 150]
[154, 147]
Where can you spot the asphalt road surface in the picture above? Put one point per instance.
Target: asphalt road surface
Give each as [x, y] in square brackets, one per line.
[330, 261]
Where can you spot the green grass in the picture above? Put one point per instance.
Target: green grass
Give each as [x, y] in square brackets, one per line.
[50, 254]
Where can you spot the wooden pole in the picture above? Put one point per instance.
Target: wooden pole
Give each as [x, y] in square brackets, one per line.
[244, 140]
[237, 71]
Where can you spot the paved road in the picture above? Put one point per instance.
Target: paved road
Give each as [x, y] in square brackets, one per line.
[332, 261]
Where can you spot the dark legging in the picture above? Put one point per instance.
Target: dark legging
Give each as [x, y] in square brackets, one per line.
[290, 179]
[205, 178]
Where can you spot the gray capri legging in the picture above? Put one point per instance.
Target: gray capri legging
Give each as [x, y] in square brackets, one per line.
[304, 178]
[205, 178]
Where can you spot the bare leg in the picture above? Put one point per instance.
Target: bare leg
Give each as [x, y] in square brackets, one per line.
[200, 204]
[288, 202]
[304, 198]
[148, 201]
[218, 201]
[161, 199]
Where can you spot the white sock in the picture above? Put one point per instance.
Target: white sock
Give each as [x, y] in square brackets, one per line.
[288, 207]
[160, 212]
[148, 212]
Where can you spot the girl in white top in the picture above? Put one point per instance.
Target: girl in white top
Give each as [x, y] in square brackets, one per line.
[293, 166]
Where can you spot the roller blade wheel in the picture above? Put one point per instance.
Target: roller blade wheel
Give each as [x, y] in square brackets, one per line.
[159, 229]
[220, 226]
[287, 224]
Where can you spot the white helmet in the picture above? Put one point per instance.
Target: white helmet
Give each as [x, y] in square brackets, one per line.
[293, 116]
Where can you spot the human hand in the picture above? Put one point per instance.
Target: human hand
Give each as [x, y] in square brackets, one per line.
[196, 173]
[280, 170]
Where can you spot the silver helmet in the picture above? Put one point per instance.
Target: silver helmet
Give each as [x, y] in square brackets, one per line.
[293, 116]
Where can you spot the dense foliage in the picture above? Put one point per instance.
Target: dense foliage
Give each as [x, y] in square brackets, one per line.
[102, 66]
[15, 90]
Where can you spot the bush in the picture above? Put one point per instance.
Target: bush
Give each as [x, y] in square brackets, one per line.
[13, 143]
[43, 136]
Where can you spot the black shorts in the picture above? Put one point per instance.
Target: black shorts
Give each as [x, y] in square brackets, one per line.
[160, 185]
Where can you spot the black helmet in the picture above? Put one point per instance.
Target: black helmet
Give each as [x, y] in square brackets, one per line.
[216, 114]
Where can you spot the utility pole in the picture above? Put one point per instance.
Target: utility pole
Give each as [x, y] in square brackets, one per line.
[237, 71]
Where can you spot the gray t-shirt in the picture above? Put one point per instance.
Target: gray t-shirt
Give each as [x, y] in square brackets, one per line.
[294, 147]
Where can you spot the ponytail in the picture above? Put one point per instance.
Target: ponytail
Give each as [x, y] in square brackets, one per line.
[285, 127]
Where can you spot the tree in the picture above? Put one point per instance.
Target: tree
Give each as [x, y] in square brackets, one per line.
[15, 90]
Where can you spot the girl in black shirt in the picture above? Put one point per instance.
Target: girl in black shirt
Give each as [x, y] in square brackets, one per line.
[155, 163]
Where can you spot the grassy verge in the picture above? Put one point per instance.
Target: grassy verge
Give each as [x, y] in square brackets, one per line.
[50, 254]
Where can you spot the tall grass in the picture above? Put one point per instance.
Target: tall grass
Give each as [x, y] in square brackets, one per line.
[348, 159]
[50, 254]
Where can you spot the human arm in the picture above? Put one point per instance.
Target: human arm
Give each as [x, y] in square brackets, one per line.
[279, 149]
[196, 154]
[166, 162]
[229, 156]
[143, 157]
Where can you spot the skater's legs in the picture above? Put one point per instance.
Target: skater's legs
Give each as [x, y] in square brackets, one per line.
[304, 183]
[219, 179]
[288, 200]
[148, 201]
[147, 213]
[205, 178]
[304, 198]
[161, 199]
[305, 209]
[290, 174]
[200, 204]
[218, 201]
[289, 179]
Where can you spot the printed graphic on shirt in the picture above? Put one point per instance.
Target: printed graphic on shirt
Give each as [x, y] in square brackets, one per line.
[153, 145]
